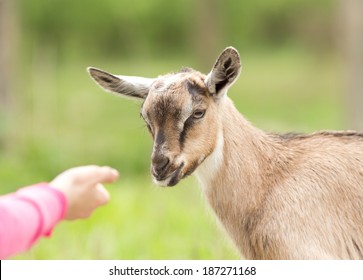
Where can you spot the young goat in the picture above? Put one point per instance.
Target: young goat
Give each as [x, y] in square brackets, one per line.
[286, 196]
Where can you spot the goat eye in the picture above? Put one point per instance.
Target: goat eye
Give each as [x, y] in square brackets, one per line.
[198, 114]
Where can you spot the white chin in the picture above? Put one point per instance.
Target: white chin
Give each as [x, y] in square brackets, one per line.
[163, 183]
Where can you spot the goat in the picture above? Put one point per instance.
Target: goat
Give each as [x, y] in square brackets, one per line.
[278, 196]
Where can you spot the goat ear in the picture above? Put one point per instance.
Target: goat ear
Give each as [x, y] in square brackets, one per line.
[224, 72]
[129, 86]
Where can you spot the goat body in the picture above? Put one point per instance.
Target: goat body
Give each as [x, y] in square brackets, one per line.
[286, 196]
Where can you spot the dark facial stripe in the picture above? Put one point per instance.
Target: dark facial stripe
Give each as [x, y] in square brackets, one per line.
[160, 137]
[187, 125]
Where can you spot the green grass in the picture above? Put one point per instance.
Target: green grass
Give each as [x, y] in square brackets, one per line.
[141, 222]
[62, 119]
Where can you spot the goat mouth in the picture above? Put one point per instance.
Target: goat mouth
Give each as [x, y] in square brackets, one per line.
[171, 179]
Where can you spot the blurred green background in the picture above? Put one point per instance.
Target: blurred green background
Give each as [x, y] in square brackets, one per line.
[53, 116]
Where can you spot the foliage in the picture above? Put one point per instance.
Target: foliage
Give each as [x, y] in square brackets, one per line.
[161, 26]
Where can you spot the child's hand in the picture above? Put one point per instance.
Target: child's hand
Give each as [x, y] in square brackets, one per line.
[83, 189]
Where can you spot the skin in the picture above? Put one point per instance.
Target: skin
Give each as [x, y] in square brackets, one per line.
[83, 189]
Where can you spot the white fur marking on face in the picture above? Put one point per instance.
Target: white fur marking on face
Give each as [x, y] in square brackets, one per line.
[167, 82]
[187, 110]
[163, 182]
[208, 169]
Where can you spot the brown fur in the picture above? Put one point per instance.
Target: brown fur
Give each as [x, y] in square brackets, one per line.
[289, 196]
[300, 198]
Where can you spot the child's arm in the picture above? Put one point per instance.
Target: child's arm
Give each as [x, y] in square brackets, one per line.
[28, 214]
[34, 211]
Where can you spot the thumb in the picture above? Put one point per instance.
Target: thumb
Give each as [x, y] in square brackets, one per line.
[103, 195]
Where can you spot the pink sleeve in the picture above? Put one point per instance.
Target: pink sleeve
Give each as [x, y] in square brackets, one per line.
[28, 214]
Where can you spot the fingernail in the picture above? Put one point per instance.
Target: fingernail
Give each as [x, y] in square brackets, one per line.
[114, 172]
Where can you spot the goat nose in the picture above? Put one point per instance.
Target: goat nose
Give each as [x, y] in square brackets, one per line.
[160, 164]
